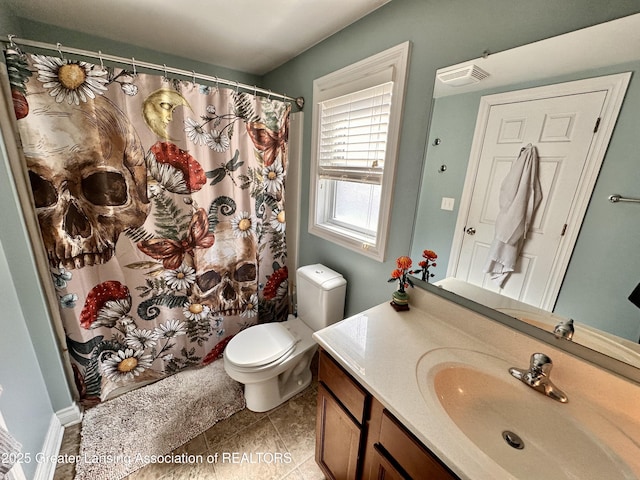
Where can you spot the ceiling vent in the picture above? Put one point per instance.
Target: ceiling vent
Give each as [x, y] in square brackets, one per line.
[462, 76]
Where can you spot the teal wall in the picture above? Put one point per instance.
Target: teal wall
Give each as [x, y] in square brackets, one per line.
[442, 33]
[607, 245]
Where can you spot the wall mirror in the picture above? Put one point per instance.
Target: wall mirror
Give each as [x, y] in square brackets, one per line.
[603, 264]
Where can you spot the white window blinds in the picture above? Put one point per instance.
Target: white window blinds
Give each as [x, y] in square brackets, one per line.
[353, 135]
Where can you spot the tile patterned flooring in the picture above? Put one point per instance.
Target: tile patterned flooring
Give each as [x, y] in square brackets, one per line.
[288, 429]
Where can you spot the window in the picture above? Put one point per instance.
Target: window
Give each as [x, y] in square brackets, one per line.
[356, 125]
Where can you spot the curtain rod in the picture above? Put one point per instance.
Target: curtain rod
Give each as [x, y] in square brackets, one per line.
[14, 41]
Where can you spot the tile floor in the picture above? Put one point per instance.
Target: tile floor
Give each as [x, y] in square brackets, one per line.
[288, 430]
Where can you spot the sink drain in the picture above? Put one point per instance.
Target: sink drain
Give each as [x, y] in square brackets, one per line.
[513, 439]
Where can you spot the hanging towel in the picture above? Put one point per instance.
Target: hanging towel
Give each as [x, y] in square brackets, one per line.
[9, 449]
[520, 195]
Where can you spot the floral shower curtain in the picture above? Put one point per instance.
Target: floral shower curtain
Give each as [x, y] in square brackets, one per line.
[161, 209]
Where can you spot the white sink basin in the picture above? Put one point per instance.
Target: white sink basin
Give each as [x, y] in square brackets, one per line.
[473, 396]
[590, 337]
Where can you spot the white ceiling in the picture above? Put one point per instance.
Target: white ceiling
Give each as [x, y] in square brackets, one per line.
[252, 36]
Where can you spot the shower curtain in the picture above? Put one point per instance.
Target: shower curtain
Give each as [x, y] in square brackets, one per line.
[161, 210]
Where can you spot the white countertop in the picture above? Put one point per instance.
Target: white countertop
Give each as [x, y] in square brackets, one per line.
[381, 348]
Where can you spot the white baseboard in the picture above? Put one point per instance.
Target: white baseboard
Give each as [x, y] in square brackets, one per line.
[50, 449]
[70, 415]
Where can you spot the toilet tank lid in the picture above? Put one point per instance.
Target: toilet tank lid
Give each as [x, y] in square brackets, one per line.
[322, 276]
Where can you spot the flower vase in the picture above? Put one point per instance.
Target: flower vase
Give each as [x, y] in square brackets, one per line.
[400, 300]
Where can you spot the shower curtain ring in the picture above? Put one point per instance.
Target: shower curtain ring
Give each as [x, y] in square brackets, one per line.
[255, 91]
[194, 76]
[269, 95]
[59, 48]
[133, 64]
[11, 43]
[101, 61]
[236, 86]
[165, 77]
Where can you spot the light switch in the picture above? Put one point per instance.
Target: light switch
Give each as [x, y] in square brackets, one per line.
[447, 203]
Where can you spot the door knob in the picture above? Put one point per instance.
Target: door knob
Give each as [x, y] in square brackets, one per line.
[470, 231]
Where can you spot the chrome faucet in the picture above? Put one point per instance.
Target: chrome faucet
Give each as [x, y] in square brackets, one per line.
[564, 330]
[537, 377]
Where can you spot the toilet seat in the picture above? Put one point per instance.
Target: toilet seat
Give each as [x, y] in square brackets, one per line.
[260, 345]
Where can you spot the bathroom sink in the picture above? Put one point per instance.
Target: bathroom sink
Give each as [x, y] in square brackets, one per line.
[520, 433]
[590, 337]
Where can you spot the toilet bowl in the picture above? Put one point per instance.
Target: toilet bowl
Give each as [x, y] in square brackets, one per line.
[273, 360]
[273, 365]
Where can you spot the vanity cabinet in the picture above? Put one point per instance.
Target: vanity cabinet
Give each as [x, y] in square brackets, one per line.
[341, 411]
[358, 439]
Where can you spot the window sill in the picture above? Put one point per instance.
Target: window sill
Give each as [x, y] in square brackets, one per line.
[363, 244]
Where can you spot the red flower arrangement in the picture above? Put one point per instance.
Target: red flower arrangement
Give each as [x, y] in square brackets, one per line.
[429, 261]
[400, 298]
[401, 273]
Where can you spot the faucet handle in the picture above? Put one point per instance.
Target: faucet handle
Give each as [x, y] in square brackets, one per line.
[540, 363]
[564, 330]
[540, 367]
[537, 377]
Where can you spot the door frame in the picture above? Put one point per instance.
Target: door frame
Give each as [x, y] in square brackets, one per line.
[616, 87]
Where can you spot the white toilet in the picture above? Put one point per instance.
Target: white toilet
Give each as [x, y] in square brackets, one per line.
[273, 360]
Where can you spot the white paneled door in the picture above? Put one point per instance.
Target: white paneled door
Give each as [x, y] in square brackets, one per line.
[563, 128]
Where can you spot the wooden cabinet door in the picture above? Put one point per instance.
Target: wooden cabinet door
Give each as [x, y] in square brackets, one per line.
[337, 439]
[382, 469]
[409, 453]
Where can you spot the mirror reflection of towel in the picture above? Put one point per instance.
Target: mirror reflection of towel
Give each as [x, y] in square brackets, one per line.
[520, 195]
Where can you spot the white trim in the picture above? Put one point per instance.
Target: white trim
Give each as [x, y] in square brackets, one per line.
[70, 415]
[391, 64]
[616, 87]
[50, 449]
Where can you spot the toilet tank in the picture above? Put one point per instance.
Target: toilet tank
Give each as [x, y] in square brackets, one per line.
[321, 293]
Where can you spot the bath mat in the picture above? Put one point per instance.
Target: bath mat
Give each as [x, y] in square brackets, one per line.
[121, 435]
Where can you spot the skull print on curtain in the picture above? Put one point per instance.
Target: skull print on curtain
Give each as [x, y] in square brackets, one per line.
[161, 210]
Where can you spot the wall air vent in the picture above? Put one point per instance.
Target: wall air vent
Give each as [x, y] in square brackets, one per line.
[462, 76]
